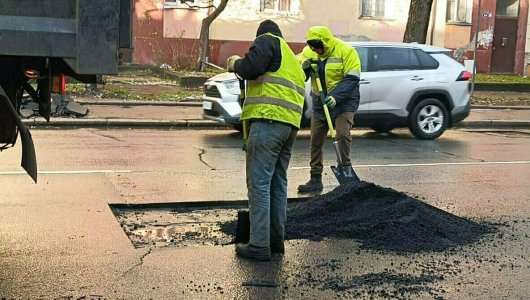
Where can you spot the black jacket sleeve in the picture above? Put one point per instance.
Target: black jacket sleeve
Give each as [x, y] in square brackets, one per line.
[263, 56]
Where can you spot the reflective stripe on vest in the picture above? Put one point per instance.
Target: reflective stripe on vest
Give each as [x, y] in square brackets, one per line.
[274, 101]
[281, 81]
[354, 73]
[338, 60]
[334, 60]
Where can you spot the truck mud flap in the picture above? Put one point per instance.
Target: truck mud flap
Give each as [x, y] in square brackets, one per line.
[9, 123]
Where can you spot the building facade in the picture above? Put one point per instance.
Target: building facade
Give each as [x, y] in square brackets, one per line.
[168, 31]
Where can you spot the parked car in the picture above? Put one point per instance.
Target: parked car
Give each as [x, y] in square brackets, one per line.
[402, 85]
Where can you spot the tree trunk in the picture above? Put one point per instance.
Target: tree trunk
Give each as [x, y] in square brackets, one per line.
[205, 35]
[418, 22]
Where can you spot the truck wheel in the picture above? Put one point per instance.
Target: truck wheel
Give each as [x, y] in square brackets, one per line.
[429, 119]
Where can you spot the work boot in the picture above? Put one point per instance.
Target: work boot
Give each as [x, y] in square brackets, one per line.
[277, 247]
[253, 252]
[314, 184]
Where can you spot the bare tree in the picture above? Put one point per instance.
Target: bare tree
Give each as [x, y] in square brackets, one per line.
[205, 35]
[418, 21]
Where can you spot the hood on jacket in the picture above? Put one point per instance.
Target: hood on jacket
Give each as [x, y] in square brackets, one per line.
[268, 26]
[322, 33]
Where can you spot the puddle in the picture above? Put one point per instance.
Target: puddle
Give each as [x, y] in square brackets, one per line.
[164, 227]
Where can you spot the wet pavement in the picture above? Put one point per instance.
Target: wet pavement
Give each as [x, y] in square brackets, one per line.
[62, 238]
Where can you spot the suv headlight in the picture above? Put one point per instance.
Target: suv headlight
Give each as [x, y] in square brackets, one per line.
[231, 84]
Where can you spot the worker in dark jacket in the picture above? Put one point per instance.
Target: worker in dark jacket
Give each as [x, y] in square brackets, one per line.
[342, 74]
[272, 112]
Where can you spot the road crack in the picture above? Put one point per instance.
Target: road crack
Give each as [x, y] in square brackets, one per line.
[203, 152]
[141, 262]
[105, 135]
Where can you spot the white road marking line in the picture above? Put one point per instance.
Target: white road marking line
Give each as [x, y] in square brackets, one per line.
[521, 162]
[68, 172]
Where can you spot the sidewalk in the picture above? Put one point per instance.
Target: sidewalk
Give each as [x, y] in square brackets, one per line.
[120, 113]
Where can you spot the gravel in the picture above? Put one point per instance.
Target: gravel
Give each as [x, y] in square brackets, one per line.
[381, 219]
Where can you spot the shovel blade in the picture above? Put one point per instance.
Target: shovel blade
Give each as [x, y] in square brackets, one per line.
[243, 227]
[345, 174]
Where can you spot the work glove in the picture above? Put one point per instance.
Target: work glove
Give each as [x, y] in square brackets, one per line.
[244, 145]
[306, 64]
[330, 101]
[231, 61]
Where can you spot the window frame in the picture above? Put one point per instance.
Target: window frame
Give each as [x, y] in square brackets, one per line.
[375, 6]
[505, 15]
[171, 4]
[276, 9]
[452, 17]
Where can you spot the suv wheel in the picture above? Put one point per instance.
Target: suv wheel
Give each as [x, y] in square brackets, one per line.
[429, 119]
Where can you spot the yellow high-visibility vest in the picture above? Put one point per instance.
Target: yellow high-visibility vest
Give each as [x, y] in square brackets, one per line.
[279, 95]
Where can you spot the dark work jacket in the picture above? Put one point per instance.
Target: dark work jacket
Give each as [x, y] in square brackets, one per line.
[264, 55]
[348, 88]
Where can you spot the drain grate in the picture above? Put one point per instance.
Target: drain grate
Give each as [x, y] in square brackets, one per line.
[187, 226]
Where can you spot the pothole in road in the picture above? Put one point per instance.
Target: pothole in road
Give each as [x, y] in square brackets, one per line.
[177, 224]
[379, 218]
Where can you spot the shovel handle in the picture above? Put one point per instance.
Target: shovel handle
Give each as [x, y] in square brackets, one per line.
[245, 129]
[328, 119]
[325, 107]
[242, 97]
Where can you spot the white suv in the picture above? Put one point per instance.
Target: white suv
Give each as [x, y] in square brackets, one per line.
[402, 85]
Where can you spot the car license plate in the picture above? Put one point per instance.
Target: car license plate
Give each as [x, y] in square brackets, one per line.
[207, 105]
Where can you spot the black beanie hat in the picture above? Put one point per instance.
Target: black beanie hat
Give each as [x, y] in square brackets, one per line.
[269, 26]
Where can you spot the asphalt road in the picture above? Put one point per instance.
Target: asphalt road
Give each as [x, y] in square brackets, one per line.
[59, 237]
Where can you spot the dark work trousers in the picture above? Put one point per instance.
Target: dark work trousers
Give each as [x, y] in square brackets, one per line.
[319, 130]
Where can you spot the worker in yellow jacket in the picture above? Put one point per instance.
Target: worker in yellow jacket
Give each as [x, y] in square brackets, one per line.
[342, 73]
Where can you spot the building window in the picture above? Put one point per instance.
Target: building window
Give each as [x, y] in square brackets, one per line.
[181, 3]
[372, 8]
[275, 5]
[507, 8]
[459, 11]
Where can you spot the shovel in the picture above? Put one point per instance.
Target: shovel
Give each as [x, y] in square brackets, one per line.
[344, 174]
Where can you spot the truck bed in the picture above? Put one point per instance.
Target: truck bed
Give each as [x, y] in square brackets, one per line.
[86, 34]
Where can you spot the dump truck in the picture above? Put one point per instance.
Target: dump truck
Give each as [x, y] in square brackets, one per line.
[41, 43]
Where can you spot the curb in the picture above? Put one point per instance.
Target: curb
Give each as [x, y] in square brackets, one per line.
[492, 124]
[41, 123]
[499, 107]
[198, 103]
[142, 103]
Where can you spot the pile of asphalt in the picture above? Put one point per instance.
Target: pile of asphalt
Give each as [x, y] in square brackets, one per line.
[381, 219]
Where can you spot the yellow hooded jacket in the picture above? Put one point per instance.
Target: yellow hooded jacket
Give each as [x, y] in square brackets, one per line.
[342, 70]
